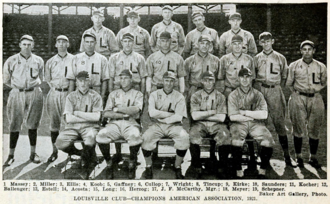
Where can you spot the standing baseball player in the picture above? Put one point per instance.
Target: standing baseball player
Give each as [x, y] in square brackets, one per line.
[306, 78]
[123, 108]
[162, 61]
[23, 73]
[231, 64]
[127, 59]
[106, 43]
[246, 109]
[167, 108]
[94, 63]
[56, 70]
[208, 111]
[193, 36]
[175, 30]
[249, 45]
[82, 114]
[271, 73]
[141, 36]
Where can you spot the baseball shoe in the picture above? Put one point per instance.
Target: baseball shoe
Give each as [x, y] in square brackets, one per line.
[178, 173]
[314, 163]
[109, 170]
[199, 172]
[52, 157]
[300, 162]
[9, 161]
[35, 158]
[261, 176]
[148, 173]
[131, 170]
[288, 161]
[117, 158]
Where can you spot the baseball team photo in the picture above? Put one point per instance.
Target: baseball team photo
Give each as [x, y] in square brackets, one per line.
[210, 91]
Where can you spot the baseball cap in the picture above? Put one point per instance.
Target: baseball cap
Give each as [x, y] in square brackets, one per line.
[126, 72]
[307, 42]
[265, 36]
[204, 38]
[236, 38]
[208, 74]
[82, 74]
[168, 7]
[235, 16]
[128, 36]
[132, 14]
[196, 14]
[27, 37]
[98, 12]
[169, 74]
[165, 34]
[88, 34]
[62, 37]
[244, 71]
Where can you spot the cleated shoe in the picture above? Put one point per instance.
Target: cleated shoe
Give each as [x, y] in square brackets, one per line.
[52, 157]
[35, 158]
[9, 161]
[178, 173]
[148, 173]
[314, 163]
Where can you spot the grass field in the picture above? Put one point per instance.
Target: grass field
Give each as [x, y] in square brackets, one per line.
[23, 169]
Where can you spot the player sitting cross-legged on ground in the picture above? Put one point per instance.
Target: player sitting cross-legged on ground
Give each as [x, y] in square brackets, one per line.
[123, 108]
[208, 111]
[82, 114]
[246, 109]
[167, 108]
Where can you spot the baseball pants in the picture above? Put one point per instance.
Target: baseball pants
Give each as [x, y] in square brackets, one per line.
[28, 103]
[200, 130]
[55, 103]
[306, 114]
[67, 137]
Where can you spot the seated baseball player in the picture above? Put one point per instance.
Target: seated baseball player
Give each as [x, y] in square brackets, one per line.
[208, 111]
[247, 109]
[82, 114]
[123, 108]
[167, 108]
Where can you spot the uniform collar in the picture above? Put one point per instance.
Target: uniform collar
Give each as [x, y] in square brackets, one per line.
[82, 94]
[306, 62]
[167, 93]
[242, 91]
[238, 56]
[201, 30]
[202, 56]
[138, 28]
[208, 92]
[128, 53]
[90, 55]
[239, 30]
[167, 24]
[268, 53]
[66, 54]
[165, 53]
[98, 29]
[25, 57]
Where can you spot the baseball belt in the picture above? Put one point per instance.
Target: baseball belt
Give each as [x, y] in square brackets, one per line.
[26, 90]
[307, 94]
[62, 90]
[268, 86]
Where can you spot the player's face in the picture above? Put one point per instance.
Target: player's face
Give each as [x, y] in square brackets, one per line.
[125, 81]
[199, 21]
[83, 84]
[89, 43]
[204, 46]
[307, 52]
[165, 44]
[267, 45]
[97, 20]
[167, 14]
[235, 23]
[127, 45]
[26, 46]
[62, 45]
[168, 84]
[237, 47]
[208, 83]
[133, 21]
[245, 80]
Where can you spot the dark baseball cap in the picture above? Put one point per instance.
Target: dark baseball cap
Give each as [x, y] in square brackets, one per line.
[204, 38]
[27, 37]
[126, 72]
[132, 14]
[98, 12]
[265, 36]
[82, 74]
[168, 7]
[128, 36]
[235, 16]
[169, 74]
[307, 42]
[208, 74]
[166, 35]
[88, 34]
[196, 14]
[236, 38]
[244, 71]
[62, 37]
